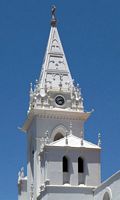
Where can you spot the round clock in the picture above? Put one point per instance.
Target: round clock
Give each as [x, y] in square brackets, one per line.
[59, 100]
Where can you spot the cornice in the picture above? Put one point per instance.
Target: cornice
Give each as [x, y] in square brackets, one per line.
[54, 114]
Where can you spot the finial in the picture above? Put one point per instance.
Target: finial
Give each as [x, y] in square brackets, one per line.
[21, 174]
[81, 136]
[99, 139]
[31, 90]
[46, 136]
[77, 85]
[81, 133]
[66, 139]
[70, 127]
[53, 20]
[36, 81]
[81, 141]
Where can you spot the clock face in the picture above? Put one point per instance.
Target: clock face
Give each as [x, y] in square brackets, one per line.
[59, 100]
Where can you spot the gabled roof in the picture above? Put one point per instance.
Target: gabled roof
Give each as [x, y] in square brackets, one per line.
[73, 141]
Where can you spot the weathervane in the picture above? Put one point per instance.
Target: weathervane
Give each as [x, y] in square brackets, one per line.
[53, 20]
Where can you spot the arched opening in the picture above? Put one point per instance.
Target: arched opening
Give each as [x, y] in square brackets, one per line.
[66, 174]
[58, 136]
[80, 165]
[106, 196]
[65, 164]
[58, 132]
[81, 174]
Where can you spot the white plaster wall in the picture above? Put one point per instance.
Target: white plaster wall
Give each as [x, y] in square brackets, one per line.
[54, 158]
[71, 193]
[112, 186]
[23, 193]
[52, 167]
[30, 162]
[50, 124]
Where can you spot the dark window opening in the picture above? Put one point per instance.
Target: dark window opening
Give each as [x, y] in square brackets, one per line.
[65, 164]
[58, 136]
[106, 196]
[80, 165]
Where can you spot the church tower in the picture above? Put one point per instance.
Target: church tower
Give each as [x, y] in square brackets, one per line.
[60, 162]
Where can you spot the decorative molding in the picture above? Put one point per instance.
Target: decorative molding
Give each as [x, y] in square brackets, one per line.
[58, 129]
[109, 192]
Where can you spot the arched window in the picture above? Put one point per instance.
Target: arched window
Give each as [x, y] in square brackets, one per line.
[80, 165]
[58, 136]
[65, 164]
[106, 196]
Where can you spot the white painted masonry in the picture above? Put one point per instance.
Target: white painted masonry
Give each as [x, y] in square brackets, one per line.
[61, 164]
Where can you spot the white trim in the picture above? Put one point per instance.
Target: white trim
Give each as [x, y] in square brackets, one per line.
[58, 129]
[109, 191]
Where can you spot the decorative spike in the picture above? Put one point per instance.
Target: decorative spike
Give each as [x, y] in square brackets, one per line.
[36, 81]
[31, 90]
[46, 134]
[81, 134]
[77, 85]
[66, 139]
[45, 85]
[70, 127]
[46, 137]
[81, 141]
[99, 139]
[22, 172]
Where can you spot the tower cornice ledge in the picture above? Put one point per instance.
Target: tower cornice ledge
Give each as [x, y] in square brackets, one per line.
[55, 114]
[67, 188]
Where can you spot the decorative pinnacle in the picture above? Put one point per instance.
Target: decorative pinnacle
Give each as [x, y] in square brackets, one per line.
[81, 135]
[31, 90]
[70, 127]
[81, 141]
[99, 139]
[66, 139]
[53, 20]
[46, 136]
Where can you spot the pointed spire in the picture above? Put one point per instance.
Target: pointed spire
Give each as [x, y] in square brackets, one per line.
[53, 19]
[55, 77]
[55, 72]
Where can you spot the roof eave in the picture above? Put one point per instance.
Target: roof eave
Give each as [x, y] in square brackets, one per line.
[54, 113]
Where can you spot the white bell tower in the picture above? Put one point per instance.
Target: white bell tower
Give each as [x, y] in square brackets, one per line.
[60, 163]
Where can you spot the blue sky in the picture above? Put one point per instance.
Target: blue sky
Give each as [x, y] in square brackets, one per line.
[90, 33]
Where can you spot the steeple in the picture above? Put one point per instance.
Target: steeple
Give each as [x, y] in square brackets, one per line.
[55, 87]
[55, 72]
[60, 161]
